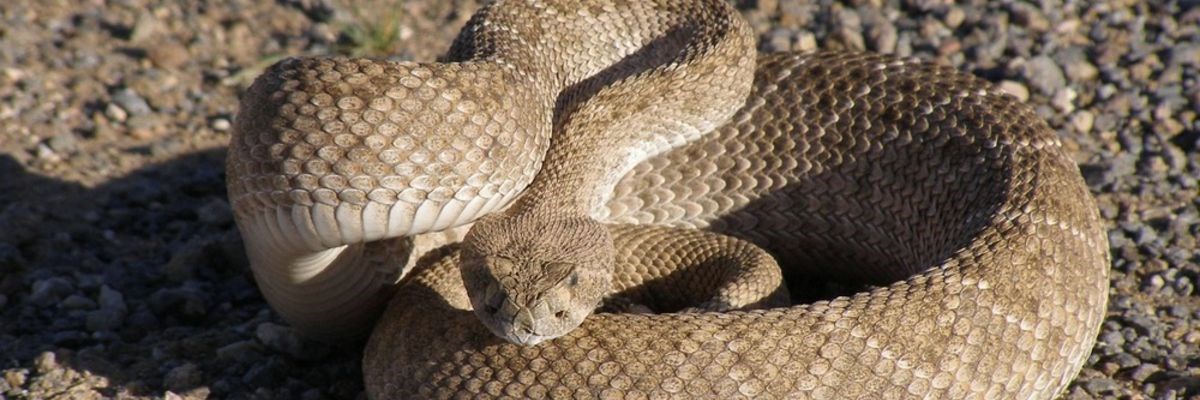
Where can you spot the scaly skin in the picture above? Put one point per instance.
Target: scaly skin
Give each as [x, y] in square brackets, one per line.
[955, 199]
[845, 166]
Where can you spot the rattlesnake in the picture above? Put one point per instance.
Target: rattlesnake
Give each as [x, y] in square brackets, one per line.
[954, 198]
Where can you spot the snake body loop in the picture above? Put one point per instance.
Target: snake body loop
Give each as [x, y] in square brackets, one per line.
[956, 201]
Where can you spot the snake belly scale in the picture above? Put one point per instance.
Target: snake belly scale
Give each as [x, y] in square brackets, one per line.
[954, 199]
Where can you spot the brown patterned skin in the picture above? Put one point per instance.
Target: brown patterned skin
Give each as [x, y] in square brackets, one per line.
[846, 166]
[953, 198]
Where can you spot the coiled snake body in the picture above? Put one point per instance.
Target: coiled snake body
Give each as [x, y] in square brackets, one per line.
[956, 200]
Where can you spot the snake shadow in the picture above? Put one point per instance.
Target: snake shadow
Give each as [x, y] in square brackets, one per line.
[142, 281]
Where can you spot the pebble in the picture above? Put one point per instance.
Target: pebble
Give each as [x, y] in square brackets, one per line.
[144, 126]
[115, 113]
[1044, 75]
[183, 264]
[215, 212]
[1125, 360]
[131, 102]
[220, 124]
[280, 339]
[49, 291]
[65, 142]
[184, 302]
[16, 377]
[1014, 88]
[111, 299]
[168, 54]
[77, 302]
[45, 362]
[1083, 121]
[183, 377]
[1143, 371]
[104, 319]
[244, 351]
[1100, 386]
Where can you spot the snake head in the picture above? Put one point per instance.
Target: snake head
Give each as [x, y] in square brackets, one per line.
[531, 283]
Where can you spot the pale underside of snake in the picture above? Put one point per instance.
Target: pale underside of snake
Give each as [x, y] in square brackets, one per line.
[550, 119]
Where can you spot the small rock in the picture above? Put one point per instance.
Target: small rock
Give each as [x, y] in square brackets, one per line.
[68, 338]
[883, 36]
[16, 377]
[1044, 74]
[1144, 325]
[1080, 70]
[1185, 53]
[11, 260]
[148, 27]
[805, 42]
[1100, 386]
[311, 394]
[1014, 88]
[77, 302]
[115, 113]
[1064, 100]
[144, 126]
[245, 351]
[182, 302]
[45, 153]
[183, 377]
[130, 101]
[280, 338]
[1125, 360]
[954, 17]
[215, 212]
[112, 299]
[1112, 339]
[220, 125]
[104, 319]
[1190, 383]
[168, 54]
[185, 262]
[65, 142]
[49, 291]
[1083, 121]
[1143, 372]
[265, 374]
[142, 319]
[45, 362]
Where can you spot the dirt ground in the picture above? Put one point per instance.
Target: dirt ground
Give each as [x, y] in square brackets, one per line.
[122, 275]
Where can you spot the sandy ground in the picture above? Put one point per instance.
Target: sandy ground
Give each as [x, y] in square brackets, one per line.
[121, 273]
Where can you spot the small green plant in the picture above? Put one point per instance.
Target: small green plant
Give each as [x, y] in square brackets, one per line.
[374, 31]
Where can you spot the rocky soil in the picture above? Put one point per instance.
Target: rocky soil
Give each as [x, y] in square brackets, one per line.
[122, 275]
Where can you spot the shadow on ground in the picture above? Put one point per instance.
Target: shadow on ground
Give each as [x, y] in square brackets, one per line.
[140, 286]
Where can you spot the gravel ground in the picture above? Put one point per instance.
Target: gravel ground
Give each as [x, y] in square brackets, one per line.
[121, 273]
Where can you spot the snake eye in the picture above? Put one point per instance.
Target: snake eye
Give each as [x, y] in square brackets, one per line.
[491, 309]
[560, 314]
[574, 279]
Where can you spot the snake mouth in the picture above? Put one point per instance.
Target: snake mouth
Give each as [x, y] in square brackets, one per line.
[514, 332]
[526, 339]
